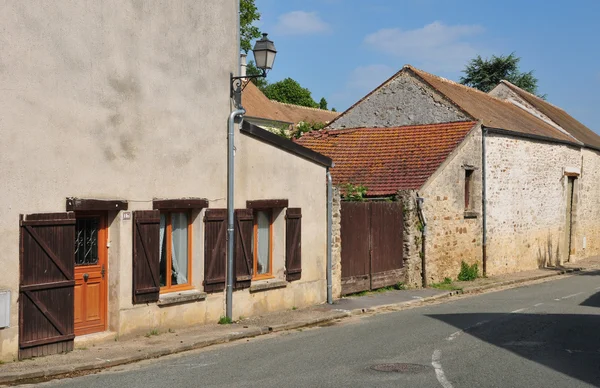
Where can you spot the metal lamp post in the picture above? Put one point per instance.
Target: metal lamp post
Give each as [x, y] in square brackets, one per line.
[264, 56]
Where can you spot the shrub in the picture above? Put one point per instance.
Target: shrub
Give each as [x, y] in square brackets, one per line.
[468, 272]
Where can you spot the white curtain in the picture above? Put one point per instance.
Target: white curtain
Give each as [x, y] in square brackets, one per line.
[179, 246]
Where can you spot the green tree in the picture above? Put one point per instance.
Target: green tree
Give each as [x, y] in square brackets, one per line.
[248, 31]
[333, 109]
[485, 74]
[323, 103]
[260, 82]
[290, 91]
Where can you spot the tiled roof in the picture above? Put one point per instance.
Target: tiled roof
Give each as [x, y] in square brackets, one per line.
[493, 112]
[259, 106]
[386, 160]
[559, 116]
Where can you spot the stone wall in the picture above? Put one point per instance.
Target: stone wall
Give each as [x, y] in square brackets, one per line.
[404, 100]
[526, 197]
[586, 237]
[413, 238]
[454, 232]
[336, 241]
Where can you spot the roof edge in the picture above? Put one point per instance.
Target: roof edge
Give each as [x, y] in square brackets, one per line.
[276, 141]
[508, 132]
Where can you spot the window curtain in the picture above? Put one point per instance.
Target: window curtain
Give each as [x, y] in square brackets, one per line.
[179, 247]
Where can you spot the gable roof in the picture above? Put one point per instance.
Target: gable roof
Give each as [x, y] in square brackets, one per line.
[259, 106]
[491, 111]
[386, 160]
[559, 116]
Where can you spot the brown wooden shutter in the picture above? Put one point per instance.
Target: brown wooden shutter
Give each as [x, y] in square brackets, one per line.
[244, 259]
[215, 249]
[293, 243]
[46, 284]
[146, 261]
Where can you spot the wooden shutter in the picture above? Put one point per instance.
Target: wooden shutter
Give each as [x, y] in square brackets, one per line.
[146, 251]
[293, 243]
[244, 260]
[46, 284]
[215, 249]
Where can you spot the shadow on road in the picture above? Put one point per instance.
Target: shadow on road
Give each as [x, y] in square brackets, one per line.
[569, 343]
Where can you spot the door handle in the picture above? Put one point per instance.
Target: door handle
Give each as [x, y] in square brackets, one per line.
[85, 277]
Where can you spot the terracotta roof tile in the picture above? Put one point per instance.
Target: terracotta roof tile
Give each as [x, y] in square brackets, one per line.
[492, 111]
[559, 116]
[386, 160]
[258, 105]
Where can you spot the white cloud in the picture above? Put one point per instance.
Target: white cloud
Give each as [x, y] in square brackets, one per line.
[300, 23]
[436, 46]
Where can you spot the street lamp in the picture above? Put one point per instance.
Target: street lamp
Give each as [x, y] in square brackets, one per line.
[264, 56]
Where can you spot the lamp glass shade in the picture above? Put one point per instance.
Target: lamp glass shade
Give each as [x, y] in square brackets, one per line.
[264, 53]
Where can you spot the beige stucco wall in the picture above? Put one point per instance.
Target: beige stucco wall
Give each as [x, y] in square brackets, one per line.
[527, 194]
[454, 237]
[129, 100]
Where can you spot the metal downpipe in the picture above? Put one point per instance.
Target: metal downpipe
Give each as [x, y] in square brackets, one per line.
[329, 238]
[230, 180]
[483, 201]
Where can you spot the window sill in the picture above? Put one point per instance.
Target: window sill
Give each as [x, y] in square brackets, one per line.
[180, 297]
[470, 214]
[268, 285]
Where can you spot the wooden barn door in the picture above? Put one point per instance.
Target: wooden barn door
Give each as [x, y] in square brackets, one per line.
[46, 284]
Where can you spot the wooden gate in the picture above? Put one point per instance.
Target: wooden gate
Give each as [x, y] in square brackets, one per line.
[372, 245]
[46, 284]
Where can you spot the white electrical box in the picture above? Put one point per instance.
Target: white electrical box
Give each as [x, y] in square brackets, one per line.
[4, 308]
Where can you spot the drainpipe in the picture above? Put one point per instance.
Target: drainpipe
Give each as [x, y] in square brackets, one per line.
[420, 201]
[483, 201]
[230, 177]
[238, 112]
[329, 238]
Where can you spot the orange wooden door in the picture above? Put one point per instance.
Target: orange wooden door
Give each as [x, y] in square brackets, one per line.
[91, 273]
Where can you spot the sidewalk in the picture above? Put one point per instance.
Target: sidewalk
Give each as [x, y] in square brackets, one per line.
[115, 351]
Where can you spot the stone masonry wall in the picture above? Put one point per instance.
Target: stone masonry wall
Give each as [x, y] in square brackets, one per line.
[404, 100]
[336, 241]
[454, 232]
[587, 208]
[412, 237]
[526, 197]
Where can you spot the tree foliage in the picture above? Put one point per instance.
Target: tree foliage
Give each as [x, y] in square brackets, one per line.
[304, 127]
[485, 74]
[323, 103]
[248, 31]
[260, 82]
[290, 91]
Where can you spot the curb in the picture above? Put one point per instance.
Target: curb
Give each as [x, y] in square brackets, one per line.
[476, 289]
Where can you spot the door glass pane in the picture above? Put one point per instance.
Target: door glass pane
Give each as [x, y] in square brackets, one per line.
[86, 241]
[163, 250]
[263, 221]
[179, 249]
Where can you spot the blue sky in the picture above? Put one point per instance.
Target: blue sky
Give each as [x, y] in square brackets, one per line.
[342, 49]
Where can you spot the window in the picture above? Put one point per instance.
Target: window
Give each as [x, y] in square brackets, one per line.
[262, 245]
[468, 189]
[175, 251]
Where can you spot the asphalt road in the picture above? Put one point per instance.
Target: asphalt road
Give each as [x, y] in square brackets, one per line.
[542, 335]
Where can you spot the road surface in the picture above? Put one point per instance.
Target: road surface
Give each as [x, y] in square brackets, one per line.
[542, 335]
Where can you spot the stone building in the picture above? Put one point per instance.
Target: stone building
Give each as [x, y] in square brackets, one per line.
[518, 193]
[114, 167]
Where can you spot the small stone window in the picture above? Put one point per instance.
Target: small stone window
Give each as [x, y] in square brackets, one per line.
[469, 194]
